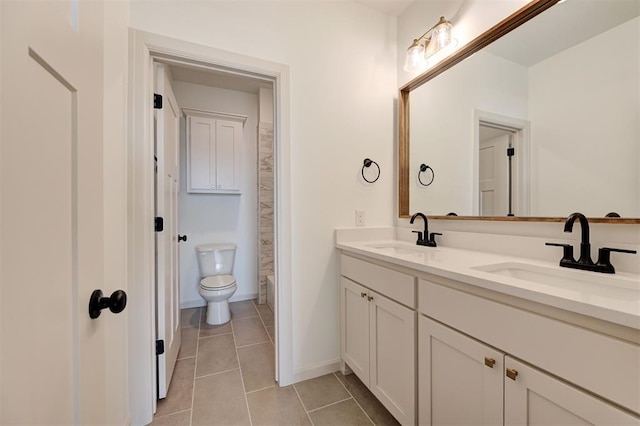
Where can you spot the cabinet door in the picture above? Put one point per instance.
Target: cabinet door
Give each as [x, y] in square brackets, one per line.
[202, 134]
[460, 379]
[355, 328]
[536, 398]
[228, 153]
[393, 357]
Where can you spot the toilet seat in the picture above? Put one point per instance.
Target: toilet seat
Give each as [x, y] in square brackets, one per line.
[217, 282]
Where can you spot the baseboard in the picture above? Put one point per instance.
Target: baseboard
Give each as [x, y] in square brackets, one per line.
[301, 374]
[196, 303]
[246, 296]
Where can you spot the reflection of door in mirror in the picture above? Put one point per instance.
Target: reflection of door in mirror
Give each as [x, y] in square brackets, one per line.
[494, 174]
[499, 169]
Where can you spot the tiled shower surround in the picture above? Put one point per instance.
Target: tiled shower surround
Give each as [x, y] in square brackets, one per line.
[265, 209]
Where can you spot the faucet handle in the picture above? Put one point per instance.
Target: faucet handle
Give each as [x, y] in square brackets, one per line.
[432, 237]
[419, 235]
[604, 258]
[567, 252]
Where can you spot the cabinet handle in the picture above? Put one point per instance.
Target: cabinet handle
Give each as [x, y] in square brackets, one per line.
[363, 294]
[511, 373]
[489, 362]
[369, 298]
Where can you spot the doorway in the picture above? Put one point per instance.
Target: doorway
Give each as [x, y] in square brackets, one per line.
[146, 50]
[502, 165]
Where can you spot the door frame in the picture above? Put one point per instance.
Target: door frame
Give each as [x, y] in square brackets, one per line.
[522, 166]
[144, 48]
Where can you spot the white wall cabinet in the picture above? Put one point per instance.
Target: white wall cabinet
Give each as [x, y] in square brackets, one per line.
[379, 345]
[214, 152]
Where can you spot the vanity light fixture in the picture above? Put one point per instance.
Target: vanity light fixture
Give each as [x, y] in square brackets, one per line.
[419, 51]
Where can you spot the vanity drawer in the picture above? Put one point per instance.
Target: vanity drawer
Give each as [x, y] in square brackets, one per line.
[393, 284]
[601, 364]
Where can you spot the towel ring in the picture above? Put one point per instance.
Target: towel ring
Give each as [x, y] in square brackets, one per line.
[424, 168]
[367, 163]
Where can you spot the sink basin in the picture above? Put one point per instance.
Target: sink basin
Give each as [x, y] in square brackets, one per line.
[397, 249]
[551, 276]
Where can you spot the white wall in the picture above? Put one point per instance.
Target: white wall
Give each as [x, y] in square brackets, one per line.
[603, 165]
[212, 218]
[342, 59]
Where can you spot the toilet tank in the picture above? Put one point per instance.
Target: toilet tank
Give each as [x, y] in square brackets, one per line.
[215, 259]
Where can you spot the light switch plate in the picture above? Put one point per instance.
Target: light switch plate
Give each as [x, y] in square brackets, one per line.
[359, 217]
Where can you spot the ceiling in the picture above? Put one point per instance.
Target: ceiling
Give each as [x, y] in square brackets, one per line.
[390, 7]
[220, 79]
[564, 25]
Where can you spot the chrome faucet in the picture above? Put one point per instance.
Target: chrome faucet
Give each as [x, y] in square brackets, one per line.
[425, 239]
[585, 262]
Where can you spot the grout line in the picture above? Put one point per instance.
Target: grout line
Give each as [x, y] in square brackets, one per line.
[216, 373]
[186, 357]
[302, 403]
[214, 335]
[265, 325]
[329, 405]
[241, 318]
[258, 390]
[354, 399]
[170, 414]
[253, 344]
[195, 368]
[244, 389]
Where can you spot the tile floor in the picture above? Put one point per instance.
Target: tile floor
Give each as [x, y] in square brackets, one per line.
[224, 376]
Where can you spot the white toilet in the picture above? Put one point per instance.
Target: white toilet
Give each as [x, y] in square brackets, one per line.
[215, 263]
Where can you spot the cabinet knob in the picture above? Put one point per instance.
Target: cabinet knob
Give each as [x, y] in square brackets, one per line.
[489, 362]
[511, 373]
[369, 298]
[363, 294]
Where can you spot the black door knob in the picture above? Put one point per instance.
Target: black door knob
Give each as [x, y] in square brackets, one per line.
[116, 302]
[182, 238]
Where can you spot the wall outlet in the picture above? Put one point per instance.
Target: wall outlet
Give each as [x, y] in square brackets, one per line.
[359, 217]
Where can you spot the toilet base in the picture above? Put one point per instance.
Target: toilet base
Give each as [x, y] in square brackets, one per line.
[218, 313]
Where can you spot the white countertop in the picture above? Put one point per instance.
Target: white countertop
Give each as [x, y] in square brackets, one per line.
[614, 298]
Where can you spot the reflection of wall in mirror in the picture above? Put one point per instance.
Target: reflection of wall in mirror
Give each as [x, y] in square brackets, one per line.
[586, 130]
[442, 132]
[581, 168]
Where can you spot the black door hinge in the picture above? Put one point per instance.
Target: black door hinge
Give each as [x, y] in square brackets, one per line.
[159, 347]
[159, 222]
[511, 152]
[157, 101]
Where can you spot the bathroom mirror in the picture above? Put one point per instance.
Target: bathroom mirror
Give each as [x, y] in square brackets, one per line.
[558, 83]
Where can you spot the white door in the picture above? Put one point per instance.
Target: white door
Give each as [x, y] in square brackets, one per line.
[532, 397]
[494, 176]
[54, 358]
[460, 380]
[167, 273]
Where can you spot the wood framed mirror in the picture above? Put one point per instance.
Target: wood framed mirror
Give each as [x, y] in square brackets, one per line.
[592, 165]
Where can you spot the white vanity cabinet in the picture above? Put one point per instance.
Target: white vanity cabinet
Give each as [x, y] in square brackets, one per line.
[460, 379]
[552, 372]
[535, 398]
[378, 333]
[214, 152]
